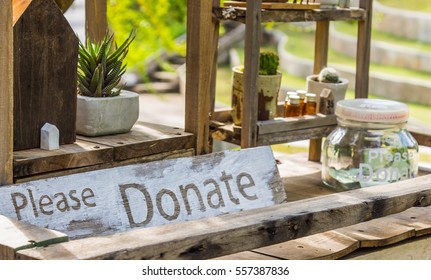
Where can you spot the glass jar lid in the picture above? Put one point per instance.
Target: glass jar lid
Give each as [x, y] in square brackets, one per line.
[372, 110]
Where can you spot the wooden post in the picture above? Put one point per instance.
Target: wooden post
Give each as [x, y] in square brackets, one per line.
[363, 51]
[202, 38]
[6, 93]
[320, 61]
[95, 20]
[251, 69]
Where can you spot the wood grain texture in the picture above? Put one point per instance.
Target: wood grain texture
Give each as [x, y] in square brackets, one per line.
[247, 255]
[145, 139]
[251, 69]
[239, 14]
[6, 93]
[363, 50]
[95, 20]
[45, 61]
[247, 230]
[80, 154]
[110, 164]
[329, 245]
[15, 236]
[275, 5]
[202, 37]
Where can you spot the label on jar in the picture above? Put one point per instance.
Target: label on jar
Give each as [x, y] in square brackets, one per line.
[385, 165]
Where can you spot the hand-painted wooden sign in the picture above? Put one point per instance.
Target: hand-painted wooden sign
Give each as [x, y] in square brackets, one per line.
[145, 195]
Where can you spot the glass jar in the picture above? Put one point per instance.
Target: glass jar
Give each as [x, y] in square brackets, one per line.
[370, 145]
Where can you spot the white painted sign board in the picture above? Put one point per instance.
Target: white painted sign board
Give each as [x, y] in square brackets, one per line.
[144, 195]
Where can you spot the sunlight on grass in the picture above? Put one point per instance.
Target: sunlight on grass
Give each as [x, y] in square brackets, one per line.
[416, 5]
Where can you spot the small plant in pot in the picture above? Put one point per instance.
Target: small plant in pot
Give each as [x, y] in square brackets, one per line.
[268, 84]
[328, 78]
[103, 107]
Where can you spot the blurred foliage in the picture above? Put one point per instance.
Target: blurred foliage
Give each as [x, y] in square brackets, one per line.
[158, 26]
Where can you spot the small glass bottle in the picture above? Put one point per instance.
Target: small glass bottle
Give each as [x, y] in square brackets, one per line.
[302, 94]
[310, 104]
[370, 145]
[292, 107]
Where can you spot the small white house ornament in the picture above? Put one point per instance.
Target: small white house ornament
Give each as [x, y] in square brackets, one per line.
[49, 137]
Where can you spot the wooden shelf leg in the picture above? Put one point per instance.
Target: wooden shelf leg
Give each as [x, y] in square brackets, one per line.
[202, 40]
[363, 51]
[95, 20]
[6, 93]
[320, 61]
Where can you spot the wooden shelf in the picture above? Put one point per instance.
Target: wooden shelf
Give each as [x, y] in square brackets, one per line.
[145, 142]
[279, 130]
[239, 14]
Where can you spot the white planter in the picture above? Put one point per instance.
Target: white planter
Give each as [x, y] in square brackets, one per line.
[328, 4]
[97, 116]
[338, 90]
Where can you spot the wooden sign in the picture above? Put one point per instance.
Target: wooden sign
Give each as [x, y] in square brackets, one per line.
[145, 195]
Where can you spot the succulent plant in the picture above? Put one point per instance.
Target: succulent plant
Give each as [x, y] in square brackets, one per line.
[100, 66]
[328, 75]
[268, 63]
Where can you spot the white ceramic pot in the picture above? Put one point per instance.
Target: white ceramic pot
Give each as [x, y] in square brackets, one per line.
[338, 90]
[97, 116]
[328, 4]
[268, 89]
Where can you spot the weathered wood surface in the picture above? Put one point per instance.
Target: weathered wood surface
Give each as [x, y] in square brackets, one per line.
[232, 134]
[145, 139]
[363, 50]
[145, 142]
[6, 93]
[15, 236]
[45, 59]
[288, 124]
[202, 37]
[95, 20]
[251, 69]
[213, 237]
[351, 240]
[276, 5]
[36, 161]
[145, 195]
[239, 14]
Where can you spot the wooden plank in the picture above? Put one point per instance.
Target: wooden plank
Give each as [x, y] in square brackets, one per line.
[410, 249]
[110, 164]
[329, 245]
[289, 124]
[144, 139]
[363, 51]
[239, 14]
[247, 255]
[421, 133]
[418, 218]
[44, 81]
[236, 232]
[377, 233]
[80, 154]
[15, 236]
[146, 195]
[202, 36]
[251, 70]
[276, 5]
[295, 135]
[6, 93]
[95, 20]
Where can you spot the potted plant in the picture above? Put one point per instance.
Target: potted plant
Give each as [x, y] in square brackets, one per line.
[103, 107]
[328, 78]
[268, 82]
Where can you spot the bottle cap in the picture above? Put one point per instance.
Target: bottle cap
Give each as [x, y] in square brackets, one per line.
[301, 93]
[290, 93]
[311, 97]
[372, 110]
[294, 99]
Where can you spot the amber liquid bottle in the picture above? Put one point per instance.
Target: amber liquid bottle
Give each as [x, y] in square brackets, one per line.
[292, 107]
[302, 94]
[310, 104]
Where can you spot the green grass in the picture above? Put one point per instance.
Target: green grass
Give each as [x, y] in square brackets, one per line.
[414, 5]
